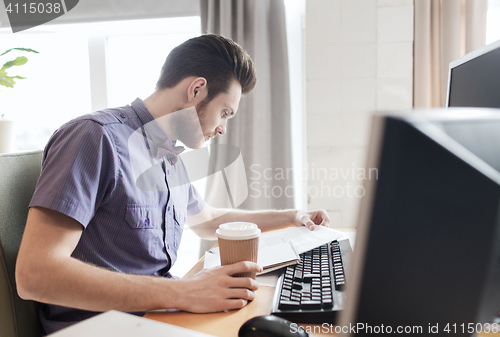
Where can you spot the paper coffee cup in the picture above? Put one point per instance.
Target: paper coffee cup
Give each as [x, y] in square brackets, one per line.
[238, 241]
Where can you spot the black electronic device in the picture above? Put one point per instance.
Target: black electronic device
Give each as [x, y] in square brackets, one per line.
[474, 79]
[270, 326]
[428, 241]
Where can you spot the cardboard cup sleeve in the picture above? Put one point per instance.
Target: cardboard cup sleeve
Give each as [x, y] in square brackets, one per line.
[232, 251]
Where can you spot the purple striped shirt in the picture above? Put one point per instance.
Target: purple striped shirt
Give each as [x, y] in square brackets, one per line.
[100, 169]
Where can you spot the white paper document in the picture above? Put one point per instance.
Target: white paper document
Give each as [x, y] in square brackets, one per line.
[301, 238]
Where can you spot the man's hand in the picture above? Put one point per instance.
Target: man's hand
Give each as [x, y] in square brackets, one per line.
[215, 289]
[311, 218]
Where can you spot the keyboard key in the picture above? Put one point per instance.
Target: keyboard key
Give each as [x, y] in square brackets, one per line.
[327, 304]
[289, 305]
[310, 304]
[311, 276]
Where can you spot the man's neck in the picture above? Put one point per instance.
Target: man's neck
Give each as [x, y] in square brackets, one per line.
[163, 102]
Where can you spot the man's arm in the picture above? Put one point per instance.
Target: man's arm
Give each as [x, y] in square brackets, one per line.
[208, 220]
[46, 272]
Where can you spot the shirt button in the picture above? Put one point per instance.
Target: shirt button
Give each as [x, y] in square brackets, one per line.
[168, 246]
[122, 115]
[168, 208]
[146, 222]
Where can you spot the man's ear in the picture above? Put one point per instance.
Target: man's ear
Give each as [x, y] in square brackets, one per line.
[197, 90]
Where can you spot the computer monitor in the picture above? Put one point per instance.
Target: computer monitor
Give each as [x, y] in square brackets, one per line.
[426, 256]
[474, 79]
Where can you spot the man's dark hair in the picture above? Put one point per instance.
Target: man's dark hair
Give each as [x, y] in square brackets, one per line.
[218, 59]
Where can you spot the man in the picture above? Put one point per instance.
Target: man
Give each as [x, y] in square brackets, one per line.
[108, 211]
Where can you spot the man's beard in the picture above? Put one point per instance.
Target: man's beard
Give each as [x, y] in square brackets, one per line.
[190, 126]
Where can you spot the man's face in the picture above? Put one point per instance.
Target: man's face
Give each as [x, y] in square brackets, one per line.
[213, 115]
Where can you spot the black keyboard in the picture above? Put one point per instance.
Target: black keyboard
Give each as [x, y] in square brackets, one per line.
[312, 290]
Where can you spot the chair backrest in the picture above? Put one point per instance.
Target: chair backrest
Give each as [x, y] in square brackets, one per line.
[19, 173]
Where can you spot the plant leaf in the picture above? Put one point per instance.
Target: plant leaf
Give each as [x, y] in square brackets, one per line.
[8, 81]
[21, 49]
[17, 62]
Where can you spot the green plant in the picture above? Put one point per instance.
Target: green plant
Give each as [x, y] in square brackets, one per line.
[5, 79]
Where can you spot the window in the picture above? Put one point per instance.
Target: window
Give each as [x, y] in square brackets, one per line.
[137, 53]
[56, 87]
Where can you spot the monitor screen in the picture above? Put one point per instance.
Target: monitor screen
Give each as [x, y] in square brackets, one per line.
[426, 257]
[474, 80]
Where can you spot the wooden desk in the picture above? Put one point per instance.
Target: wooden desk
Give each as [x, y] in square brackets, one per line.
[228, 323]
[224, 324]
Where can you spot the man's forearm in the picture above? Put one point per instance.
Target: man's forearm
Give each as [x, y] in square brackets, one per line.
[266, 220]
[75, 284]
[72, 283]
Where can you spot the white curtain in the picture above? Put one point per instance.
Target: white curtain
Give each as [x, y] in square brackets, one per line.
[262, 125]
[445, 30]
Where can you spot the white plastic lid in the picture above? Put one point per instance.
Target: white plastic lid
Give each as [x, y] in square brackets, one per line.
[237, 231]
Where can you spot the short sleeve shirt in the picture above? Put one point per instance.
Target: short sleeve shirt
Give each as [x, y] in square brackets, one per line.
[101, 170]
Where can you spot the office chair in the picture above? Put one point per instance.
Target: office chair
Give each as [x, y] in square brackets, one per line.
[19, 173]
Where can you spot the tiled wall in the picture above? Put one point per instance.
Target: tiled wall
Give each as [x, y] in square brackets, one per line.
[359, 59]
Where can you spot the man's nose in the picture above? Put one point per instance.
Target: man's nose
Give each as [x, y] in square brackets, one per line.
[221, 129]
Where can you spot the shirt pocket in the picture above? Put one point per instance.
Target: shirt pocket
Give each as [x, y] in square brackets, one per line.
[141, 235]
[141, 216]
[180, 214]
